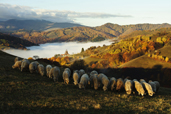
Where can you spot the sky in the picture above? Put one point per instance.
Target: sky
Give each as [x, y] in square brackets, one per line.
[89, 12]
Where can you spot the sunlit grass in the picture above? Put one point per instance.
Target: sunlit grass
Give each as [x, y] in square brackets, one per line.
[23, 92]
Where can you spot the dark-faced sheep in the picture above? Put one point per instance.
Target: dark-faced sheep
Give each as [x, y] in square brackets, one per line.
[84, 81]
[112, 83]
[119, 84]
[41, 69]
[25, 64]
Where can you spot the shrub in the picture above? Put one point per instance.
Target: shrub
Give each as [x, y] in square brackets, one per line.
[30, 58]
[167, 59]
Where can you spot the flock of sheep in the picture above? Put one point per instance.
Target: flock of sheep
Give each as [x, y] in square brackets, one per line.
[96, 80]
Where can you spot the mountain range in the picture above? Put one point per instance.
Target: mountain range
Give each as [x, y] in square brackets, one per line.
[39, 25]
[41, 31]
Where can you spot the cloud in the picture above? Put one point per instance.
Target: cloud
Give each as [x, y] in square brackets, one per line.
[8, 11]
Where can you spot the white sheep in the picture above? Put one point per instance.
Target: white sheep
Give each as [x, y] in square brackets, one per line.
[81, 72]
[103, 80]
[66, 75]
[94, 80]
[142, 82]
[99, 78]
[76, 77]
[67, 69]
[112, 83]
[119, 84]
[41, 69]
[128, 86]
[153, 85]
[25, 64]
[93, 72]
[33, 67]
[17, 64]
[54, 73]
[157, 85]
[84, 81]
[149, 89]
[48, 67]
[16, 59]
[139, 88]
[77, 71]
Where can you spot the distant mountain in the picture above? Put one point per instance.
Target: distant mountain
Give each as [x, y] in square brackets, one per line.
[106, 31]
[39, 25]
[7, 42]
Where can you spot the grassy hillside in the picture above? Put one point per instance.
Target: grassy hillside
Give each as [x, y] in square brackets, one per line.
[7, 42]
[106, 31]
[23, 92]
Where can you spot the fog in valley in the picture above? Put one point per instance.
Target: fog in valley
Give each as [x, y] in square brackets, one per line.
[50, 49]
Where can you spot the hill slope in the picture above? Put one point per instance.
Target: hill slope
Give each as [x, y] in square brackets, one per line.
[23, 92]
[7, 41]
[39, 25]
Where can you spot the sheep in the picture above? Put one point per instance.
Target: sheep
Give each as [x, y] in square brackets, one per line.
[33, 67]
[94, 81]
[139, 88]
[142, 82]
[93, 72]
[103, 80]
[112, 83]
[76, 77]
[17, 64]
[68, 70]
[77, 71]
[66, 75]
[25, 64]
[16, 59]
[157, 85]
[153, 85]
[128, 86]
[41, 69]
[54, 73]
[81, 72]
[149, 89]
[84, 81]
[48, 67]
[119, 84]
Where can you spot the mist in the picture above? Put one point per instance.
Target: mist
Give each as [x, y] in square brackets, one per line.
[50, 49]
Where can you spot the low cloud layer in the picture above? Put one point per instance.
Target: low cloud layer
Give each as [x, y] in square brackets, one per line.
[23, 12]
[50, 49]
